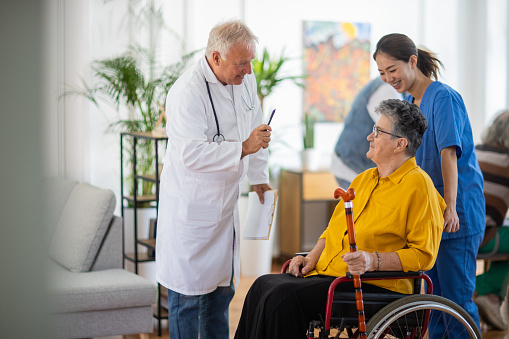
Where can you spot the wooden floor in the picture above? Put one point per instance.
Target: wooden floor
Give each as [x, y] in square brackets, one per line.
[238, 300]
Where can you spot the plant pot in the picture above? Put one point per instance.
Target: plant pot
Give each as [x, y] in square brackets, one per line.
[310, 159]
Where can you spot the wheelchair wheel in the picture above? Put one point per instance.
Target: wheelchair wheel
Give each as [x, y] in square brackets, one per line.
[408, 318]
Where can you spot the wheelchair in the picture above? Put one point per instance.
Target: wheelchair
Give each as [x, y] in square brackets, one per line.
[391, 315]
[387, 315]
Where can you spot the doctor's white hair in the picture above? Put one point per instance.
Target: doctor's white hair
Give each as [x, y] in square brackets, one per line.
[226, 34]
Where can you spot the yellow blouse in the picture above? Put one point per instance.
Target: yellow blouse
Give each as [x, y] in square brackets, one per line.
[401, 213]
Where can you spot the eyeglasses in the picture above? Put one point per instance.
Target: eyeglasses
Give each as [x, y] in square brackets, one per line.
[377, 130]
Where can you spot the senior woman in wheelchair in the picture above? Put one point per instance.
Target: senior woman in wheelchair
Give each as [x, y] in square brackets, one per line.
[398, 221]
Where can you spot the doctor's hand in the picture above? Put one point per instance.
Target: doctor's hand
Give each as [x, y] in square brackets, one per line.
[259, 138]
[259, 189]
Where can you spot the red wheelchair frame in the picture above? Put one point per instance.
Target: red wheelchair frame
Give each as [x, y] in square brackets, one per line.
[368, 276]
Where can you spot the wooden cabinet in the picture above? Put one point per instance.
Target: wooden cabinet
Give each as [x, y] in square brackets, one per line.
[303, 194]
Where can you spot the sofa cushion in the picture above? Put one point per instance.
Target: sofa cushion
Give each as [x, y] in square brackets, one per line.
[81, 228]
[99, 290]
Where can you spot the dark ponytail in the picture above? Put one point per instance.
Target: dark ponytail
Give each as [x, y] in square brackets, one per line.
[401, 47]
[428, 64]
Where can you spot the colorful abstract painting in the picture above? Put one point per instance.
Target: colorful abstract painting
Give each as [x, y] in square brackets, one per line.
[337, 58]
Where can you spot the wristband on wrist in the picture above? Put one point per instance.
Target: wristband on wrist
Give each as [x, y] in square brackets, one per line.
[379, 261]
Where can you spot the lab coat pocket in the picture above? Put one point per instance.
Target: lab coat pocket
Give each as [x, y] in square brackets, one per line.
[202, 200]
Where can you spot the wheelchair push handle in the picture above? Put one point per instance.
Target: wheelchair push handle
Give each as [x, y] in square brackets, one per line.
[347, 197]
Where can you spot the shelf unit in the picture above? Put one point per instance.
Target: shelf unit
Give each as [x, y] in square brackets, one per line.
[150, 243]
[298, 188]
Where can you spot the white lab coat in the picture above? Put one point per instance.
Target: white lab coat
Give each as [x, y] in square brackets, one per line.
[197, 242]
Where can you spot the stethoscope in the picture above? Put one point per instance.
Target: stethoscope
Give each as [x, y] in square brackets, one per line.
[218, 137]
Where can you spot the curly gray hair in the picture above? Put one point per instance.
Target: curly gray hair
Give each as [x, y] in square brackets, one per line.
[407, 119]
[225, 35]
[497, 134]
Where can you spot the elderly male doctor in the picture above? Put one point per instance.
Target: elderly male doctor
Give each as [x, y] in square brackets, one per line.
[215, 137]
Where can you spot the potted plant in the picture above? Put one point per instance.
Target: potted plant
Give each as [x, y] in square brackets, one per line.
[267, 71]
[120, 81]
[309, 132]
[309, 155]
[138, 81]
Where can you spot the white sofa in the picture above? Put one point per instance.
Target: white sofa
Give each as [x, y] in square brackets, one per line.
[91, 294]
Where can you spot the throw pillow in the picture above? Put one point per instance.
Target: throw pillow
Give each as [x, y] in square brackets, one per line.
[81, 228]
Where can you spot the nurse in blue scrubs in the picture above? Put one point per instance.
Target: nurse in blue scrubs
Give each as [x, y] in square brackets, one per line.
[447, 154]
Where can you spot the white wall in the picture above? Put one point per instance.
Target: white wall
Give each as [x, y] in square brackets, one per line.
[76, 152]
[109, 35]
[282, 26]
[497, 54]
[469, 36]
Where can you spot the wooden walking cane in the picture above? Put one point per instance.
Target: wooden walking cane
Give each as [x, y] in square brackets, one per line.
[347, 197]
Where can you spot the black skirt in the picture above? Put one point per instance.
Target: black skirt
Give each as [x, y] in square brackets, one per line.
[281, 305]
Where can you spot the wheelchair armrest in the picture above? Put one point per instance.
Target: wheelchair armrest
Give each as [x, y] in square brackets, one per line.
[386, 274]
[301, 253]
[417, 275]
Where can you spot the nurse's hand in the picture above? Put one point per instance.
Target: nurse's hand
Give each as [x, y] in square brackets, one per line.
[259, 189]
[300, 266]
[259, 138]
[451, 220]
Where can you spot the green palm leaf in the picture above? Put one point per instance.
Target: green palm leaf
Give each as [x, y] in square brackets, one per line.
[267, 72]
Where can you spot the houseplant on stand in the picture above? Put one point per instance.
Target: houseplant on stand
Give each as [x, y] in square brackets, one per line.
[135, 84]
[121, 82]
[269, 74]
[310, 159]
[267, 70]
[256, 255]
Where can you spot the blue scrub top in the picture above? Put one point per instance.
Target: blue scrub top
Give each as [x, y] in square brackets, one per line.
[448, 125]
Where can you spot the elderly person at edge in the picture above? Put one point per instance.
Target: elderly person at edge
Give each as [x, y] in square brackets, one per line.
[215, 137]
[398, 217]
[493, 155]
